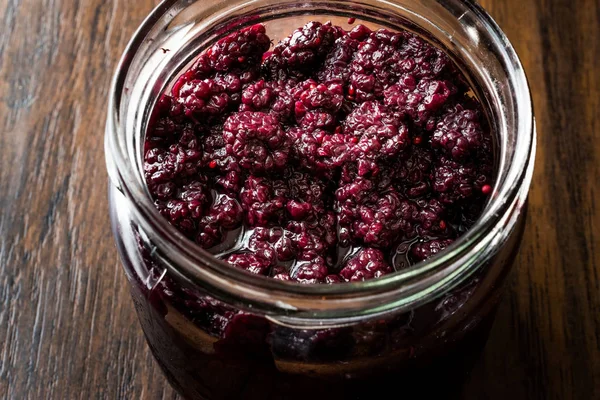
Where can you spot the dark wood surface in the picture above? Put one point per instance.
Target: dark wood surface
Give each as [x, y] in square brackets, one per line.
[67, 325]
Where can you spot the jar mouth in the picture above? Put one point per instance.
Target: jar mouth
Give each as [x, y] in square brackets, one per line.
[407, 288]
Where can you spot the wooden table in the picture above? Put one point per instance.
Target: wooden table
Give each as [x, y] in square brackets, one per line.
[67, 325]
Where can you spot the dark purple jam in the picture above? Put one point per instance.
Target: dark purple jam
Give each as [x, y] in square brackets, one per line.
[337, 156]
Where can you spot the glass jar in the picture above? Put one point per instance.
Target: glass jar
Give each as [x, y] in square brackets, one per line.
[220, 333]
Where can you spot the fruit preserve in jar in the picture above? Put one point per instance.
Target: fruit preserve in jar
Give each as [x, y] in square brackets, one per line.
[321, 201]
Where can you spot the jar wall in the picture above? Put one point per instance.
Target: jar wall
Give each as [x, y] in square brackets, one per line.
[212, 350]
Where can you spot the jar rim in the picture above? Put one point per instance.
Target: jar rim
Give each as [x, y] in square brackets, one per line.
[406, 287]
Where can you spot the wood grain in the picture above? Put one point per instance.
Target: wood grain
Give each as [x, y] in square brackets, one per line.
[67, 325]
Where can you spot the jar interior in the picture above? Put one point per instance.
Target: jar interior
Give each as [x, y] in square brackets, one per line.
[178, 32]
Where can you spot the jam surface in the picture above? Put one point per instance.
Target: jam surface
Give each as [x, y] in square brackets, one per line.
[335, 156]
